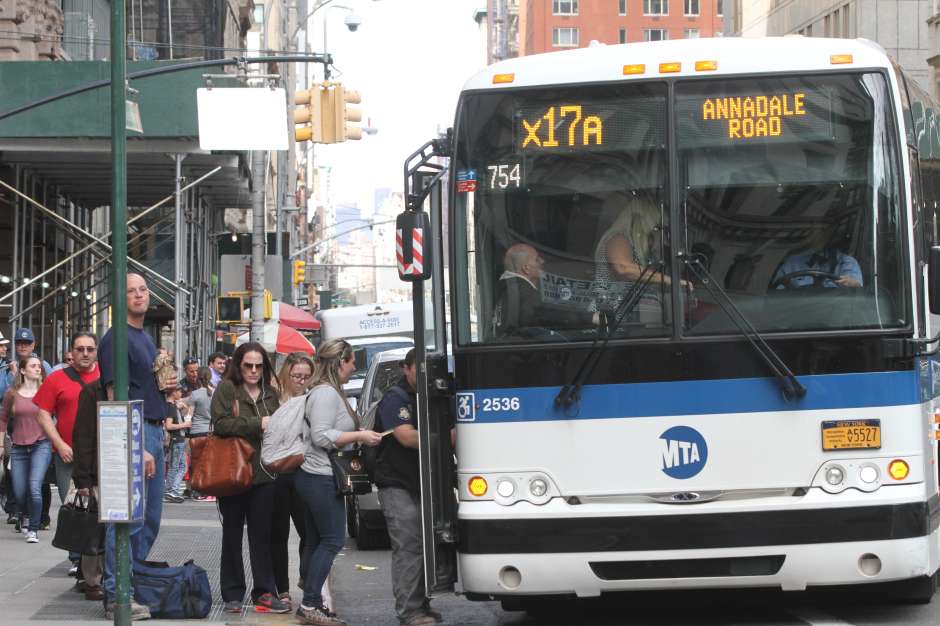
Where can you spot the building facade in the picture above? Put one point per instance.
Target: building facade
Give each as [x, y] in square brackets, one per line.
[550, 25]
[899, 26]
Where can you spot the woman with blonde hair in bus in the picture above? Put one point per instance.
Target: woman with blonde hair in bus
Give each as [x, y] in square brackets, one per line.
[292, 381]
[32, 450]
[333, 426]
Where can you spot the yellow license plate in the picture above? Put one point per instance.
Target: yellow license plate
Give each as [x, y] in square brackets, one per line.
[851, 434]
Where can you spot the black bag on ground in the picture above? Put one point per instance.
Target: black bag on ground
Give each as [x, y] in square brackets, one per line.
[172, 592]
[77, 529]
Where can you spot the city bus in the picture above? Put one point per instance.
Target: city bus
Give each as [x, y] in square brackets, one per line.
[721, 372]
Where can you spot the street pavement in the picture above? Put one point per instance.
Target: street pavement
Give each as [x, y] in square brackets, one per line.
[36, 590]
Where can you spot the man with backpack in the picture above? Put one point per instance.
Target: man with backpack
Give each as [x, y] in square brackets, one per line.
[398, 478]
[58, 397]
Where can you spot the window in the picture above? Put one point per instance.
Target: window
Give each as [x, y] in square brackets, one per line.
[655, 7]
[565, 37]
[623, 7]
[623, 35]
[691, 7]
[720, 8]
[564, 7]
[654, 34]
[691, 33]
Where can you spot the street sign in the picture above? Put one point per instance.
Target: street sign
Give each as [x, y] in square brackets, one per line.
[121, 461]
[300, 302]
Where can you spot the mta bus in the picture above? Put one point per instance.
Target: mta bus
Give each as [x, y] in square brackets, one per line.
[719, 370]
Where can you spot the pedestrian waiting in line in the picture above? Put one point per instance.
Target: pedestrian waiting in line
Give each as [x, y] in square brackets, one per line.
[178, 422]
[32, 452]
[200, 401]
[217, 363]
[242, 407]
[333, 426]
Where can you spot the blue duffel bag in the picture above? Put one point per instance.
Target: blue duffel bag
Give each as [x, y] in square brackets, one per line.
[172, 592]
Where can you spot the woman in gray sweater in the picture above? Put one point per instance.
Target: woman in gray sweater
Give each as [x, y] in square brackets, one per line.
[333, 426]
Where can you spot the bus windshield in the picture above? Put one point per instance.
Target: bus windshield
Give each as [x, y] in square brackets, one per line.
[788, 197]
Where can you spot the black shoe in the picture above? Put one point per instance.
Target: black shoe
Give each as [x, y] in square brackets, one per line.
[45, 525]
[11, 518]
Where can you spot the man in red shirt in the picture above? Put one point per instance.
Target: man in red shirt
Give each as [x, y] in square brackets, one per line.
[58, 396]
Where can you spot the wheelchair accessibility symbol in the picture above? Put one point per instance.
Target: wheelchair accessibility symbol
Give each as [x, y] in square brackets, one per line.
[466, 407]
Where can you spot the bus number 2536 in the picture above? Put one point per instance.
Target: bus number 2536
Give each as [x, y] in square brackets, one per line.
[501, 404]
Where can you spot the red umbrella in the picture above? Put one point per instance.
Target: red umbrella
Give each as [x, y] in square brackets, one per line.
[281, 339]
[294, 317]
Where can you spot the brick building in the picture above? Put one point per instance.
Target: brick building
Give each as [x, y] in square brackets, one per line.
[549, 25]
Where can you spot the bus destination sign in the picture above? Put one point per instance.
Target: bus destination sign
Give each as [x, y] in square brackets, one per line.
[754, 116]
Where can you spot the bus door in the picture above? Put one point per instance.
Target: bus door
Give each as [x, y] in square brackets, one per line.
[424, 188]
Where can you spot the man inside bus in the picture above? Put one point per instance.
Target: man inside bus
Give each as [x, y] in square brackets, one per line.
[820, 264]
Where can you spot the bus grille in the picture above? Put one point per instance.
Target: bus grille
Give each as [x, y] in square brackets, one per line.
[688, 568]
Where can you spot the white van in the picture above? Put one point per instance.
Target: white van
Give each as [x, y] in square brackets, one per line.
[370, 329]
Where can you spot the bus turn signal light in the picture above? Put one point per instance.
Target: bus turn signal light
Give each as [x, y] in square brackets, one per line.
[477, 486]
[670, 68]
[499, 79]
[706, 66]
[898, 469]
[638, 68]
[840, 59]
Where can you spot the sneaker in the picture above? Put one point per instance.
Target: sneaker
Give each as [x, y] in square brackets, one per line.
[139, 612]
[268, 603]
[73, 571]
[435, 614]
[11, 518]
[31, 537]
[20, 524]
[233, 606]
[209, 499]
[285, 598]
[318, 616]
[421, 619]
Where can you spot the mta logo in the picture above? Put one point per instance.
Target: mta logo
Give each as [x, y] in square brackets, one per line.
[684, 452]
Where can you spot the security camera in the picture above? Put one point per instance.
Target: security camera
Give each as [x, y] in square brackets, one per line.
[352, 22]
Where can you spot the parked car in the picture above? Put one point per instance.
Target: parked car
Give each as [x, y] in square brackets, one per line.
[364, 519]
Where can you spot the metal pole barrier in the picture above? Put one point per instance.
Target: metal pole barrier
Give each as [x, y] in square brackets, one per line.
[122, 609]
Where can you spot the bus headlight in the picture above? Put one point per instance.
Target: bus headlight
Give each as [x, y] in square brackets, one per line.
[538, 487]
[505, 487]
[868, 474]
[835, 475]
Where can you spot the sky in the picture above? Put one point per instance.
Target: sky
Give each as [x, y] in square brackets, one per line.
[409, 59]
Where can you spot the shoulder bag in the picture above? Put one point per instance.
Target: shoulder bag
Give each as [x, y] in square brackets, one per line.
[349, 468]
[222, 465]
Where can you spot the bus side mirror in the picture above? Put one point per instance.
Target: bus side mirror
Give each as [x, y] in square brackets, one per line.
[933, 280]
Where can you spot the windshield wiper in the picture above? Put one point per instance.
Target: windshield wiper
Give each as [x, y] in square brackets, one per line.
[790, 386]
[571, 393]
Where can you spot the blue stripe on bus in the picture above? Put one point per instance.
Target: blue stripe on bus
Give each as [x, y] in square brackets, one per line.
[695, 397]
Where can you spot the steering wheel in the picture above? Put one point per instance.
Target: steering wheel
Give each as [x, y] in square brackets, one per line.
[785, 279]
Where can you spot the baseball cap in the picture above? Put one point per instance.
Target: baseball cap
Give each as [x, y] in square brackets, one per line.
[3, 340]
[24, 334]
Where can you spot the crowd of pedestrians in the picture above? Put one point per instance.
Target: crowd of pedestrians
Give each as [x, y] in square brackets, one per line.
[48, 423]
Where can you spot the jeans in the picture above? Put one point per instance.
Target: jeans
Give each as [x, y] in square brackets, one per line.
[402, 511]
[253, 506]
[177, 469]
[63, 477]
[287, 506]
[29, 465]
[326, 531]
[143, 534]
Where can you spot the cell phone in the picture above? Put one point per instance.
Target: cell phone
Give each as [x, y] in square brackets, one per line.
[388, 432]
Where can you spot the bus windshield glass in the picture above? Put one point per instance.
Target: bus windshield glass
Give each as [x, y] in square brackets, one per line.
[788, 198]
[563, 193]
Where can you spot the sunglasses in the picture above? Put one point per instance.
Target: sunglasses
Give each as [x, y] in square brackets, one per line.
[253, 366]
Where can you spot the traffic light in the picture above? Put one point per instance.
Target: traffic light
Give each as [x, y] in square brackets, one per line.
[300, 270]
[345, 114]
[308, 101]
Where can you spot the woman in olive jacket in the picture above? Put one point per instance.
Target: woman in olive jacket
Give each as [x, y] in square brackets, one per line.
[241, 407]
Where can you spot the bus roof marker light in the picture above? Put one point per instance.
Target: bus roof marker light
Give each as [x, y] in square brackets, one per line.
[706, 66]
[670, 68]
[477, 486]
[637, 68]
[499, 79]
[898, 469]
[840, 59]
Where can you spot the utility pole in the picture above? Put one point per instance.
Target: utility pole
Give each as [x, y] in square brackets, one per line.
[257, 245]
[122, 609]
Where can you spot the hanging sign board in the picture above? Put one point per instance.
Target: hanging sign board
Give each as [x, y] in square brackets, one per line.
[242, 118]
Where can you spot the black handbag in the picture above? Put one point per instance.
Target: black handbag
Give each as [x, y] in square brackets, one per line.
[78, 529]
[349, 472]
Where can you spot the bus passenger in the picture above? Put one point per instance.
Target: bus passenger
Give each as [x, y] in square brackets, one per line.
[519, 292]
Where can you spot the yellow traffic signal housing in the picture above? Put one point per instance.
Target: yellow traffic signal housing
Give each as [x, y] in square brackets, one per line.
[345, 114]
[308, 114]
[300, 270]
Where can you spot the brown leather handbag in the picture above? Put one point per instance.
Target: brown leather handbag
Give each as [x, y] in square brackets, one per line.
[222, 465]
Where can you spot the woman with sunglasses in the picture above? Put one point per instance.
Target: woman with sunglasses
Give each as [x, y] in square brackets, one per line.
[32, 451]
[292, 380]
[333, 426]
[241, 407]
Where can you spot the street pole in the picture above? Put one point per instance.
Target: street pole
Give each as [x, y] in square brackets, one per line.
[122, 609]
[257, 245]
[179, 279]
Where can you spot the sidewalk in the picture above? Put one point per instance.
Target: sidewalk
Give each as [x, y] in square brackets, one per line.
[35, 587]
